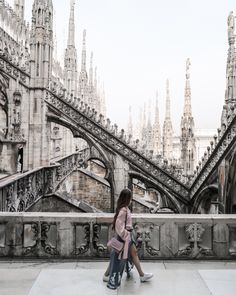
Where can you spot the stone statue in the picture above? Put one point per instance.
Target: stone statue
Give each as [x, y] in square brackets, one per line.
[231, 24]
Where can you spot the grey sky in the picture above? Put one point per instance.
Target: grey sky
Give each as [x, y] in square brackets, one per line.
[138, 44]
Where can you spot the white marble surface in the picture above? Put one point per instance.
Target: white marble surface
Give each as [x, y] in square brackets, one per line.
[72, 277]
[167, 282]
[17, 281]
[220, 282]
[69, 282]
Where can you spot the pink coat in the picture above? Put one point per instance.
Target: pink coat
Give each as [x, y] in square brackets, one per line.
[121, 230]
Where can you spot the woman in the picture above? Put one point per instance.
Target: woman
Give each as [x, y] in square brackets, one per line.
[122, 224]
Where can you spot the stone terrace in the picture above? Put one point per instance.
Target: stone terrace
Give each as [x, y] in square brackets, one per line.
[45, 277]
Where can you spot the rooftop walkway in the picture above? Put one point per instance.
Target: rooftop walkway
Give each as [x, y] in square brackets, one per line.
[42, 277]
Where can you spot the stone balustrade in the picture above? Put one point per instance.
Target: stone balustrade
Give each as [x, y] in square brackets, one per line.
[18, 193]
[85, 235]
[213, 157]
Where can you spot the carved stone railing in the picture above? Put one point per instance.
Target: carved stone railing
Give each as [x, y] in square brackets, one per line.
[15, 55]
[86, 119]
[214, 155]
[64, 167]
[79, 236]
[21, 192]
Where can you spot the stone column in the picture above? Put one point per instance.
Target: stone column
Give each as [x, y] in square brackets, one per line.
[39, 131]
[121, 176]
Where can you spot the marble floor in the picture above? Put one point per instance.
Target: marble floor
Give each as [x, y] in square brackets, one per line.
[70, 278]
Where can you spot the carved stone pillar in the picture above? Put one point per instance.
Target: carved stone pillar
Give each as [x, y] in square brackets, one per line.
[121, 177]
[39, 131]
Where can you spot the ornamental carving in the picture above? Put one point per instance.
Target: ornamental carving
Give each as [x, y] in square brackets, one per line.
[31, 238]
[40, 237]
[4, 84]
[147, 238]
[49, 244]
[98, 242]
[24, 192]
[13, 71]
[15, 53]
[194, 240]
[82, 239]
[10, 199]
[49, 187]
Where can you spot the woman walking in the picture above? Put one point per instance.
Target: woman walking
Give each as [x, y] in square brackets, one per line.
[122, 224]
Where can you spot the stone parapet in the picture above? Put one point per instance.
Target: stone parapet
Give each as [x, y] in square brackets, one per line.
[85, 235]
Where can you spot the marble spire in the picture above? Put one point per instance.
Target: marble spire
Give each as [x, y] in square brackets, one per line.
[167, 114]
[157, 130]
[83, 76]
[187, 139]
[167, 129]
[91, 71]
[71, 28]
[187, 96]
[70, 61]
[230, 95]
[83, 58]
[130, 123]
[149, 132]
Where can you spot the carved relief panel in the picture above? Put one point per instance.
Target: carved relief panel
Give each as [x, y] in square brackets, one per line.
[232, 240]
[147, 237]
[195, 240]
[40, 239]
[2, 235]
[100, 238]
[81, 239]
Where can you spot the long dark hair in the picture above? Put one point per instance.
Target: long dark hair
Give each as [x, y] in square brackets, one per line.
[123, 201]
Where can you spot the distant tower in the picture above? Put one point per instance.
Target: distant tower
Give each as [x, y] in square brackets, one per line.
[130, 123]
[70, 62]
[90, 84]
[103, 101]
[157, 131]
[187, 139]
[149, 134]
[144, 126]
[83, 76]
[230, 93]
[167, 129]
[19, 8]
[41, 42]
[96, 98]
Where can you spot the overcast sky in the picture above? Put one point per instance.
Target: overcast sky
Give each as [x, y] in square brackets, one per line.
[138, 44]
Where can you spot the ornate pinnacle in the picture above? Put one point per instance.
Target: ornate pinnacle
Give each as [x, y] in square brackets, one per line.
[188, 64]
[231, 25]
